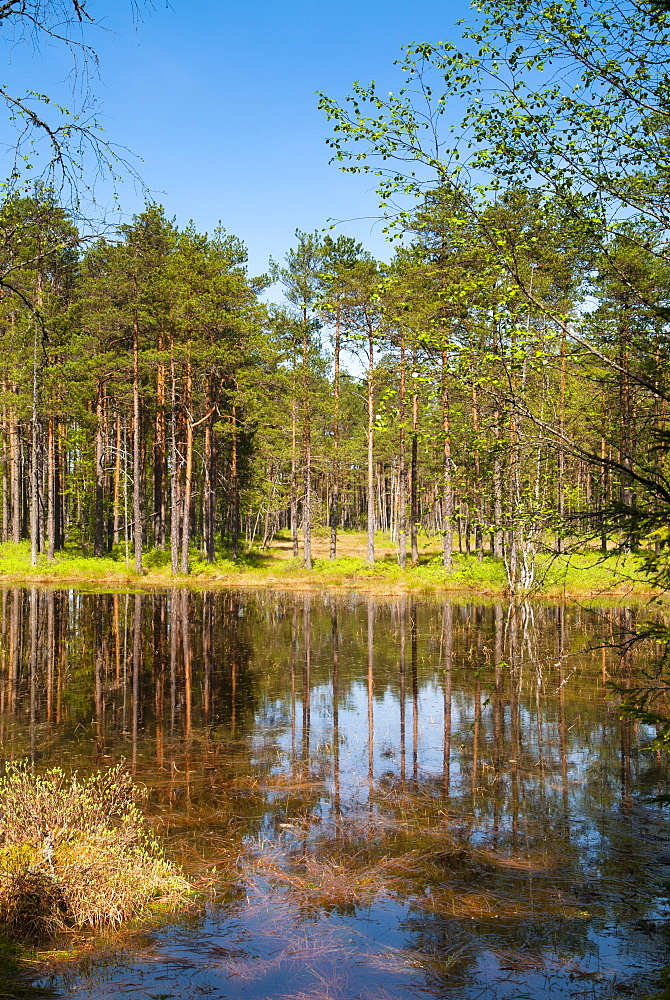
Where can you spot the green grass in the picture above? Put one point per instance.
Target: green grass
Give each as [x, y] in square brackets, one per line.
[581, 574]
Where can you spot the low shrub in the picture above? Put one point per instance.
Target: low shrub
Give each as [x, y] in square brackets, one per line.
[75, 853]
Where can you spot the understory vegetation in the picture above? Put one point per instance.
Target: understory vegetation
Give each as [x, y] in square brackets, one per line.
[584, 573]
[75, 854]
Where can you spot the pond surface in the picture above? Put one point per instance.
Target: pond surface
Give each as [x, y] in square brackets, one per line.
[400, 798]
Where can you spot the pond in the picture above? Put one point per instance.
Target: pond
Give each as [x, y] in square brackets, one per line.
[395, 798]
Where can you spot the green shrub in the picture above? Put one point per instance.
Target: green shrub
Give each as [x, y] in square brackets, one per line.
[75, 853]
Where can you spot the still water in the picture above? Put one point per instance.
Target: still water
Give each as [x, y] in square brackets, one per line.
[394, 798]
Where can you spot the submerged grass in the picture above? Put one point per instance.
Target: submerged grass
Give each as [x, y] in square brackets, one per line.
[585, 573]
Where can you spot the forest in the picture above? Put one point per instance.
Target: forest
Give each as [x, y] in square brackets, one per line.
[152, 401]
[498, 382]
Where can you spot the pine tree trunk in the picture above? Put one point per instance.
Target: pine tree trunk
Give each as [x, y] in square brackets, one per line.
[15, 475]
[335, 495]
[59, 490]
[51, 491]
[209, 477]
[5, 477]
[306, 448]
[137, 466]
[175, 490]
[476, 426]
[188, 473]
[34, 457]
[560, 484]
[370, 449]
[294, 475]
[99, 526]
[402, 473]
[160, 457]
[34, 451]
[118, 444]
[414, 489]
[447, 487]
[235, 484]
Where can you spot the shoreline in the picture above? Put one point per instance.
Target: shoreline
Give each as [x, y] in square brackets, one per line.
[303, 581]
[586, 575]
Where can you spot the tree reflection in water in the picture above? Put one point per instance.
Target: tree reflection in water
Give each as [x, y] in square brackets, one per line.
[398, 795]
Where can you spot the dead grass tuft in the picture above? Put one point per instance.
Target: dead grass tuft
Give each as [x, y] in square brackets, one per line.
[76, 854]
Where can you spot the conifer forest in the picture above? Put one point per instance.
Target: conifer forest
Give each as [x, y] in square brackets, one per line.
[152, 400]
[499, 380]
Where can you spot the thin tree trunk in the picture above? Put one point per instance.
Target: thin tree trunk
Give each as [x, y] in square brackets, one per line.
[294, 475]
[60, 459]
[306, 448]
[51, 491]
[234, 476]
[335, 496]
[497, 487]
[175, 491]
[160, 457]
[116, 514]
[209, 477]
[402, 473]
[188, 473]
[99, 526]
[447, 487]
[560, 485]
[5, 478]
[137, 467]
[414, 494]
[476, 426]
[15, 476]
[370, 444]
[34, 458]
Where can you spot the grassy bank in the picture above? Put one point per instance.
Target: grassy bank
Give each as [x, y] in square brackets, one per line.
[586, 574]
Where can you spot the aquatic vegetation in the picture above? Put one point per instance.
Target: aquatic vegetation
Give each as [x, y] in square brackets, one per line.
[75, 853]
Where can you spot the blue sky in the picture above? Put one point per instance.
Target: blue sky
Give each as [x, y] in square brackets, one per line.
[218, 99]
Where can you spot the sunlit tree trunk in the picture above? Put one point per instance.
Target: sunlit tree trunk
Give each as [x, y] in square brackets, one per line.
[116, 496]
[414, 489]
[335, 496]
[51, 490]
[370, 445]
[15, 475]
[447, 487]
[402, 460]
[160, 457]
[306, 447]
[234, 482]
[188, 472]
[137, 465]
[175, 480]
[34, 450]
[99, 526]
[294, 475]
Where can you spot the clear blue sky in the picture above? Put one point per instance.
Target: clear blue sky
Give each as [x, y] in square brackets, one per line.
[218, 99]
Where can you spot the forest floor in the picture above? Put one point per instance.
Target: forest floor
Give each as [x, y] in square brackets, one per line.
[583, 574]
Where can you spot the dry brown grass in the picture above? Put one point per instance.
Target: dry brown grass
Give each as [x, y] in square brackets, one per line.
[75, 854]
